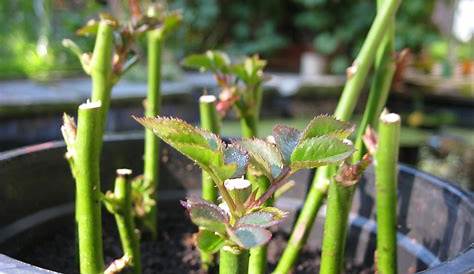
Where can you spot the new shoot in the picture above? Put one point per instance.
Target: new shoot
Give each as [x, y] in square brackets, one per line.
[119, 203]
[241, 221]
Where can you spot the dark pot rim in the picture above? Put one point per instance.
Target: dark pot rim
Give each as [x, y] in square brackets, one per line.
[462, 263]
[437, 181]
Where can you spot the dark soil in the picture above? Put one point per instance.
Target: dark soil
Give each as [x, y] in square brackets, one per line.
[172, 253]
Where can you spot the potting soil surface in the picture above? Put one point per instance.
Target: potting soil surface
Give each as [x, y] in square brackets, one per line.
[173, 252]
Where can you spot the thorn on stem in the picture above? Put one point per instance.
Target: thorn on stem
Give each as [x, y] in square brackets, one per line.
[350, 71]
[370, 140]
[349, 174]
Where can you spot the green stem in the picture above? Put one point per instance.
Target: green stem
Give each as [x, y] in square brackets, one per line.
[300, 233]
[125, 221]
[249, 128]
[386, 158]
[233, 260]
[340, 197]
[248, 125]
[364, 59]
[258, 255]
[101, 71]
[209, 121]
[380, 88]
[335, 227]
[152, 109]
[258, 100]
[88, 195]
[250, 116]
[344, 111]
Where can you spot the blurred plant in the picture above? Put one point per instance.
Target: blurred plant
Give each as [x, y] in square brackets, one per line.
[451, 157]
[240, 222]
[241, 27]
[338, 28]
[240, 85]
[31, 36]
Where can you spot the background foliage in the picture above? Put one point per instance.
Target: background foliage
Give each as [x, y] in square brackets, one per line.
[333, 28]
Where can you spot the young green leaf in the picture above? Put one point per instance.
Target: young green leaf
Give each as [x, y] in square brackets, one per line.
[201, 146]
[264, 156]
[170, 22]
[206, 215]
[235, 155]
[209, 241]
[173, 130]
[89, 29]
[197, 61]
[214, 61]
[250, 71]
[84, 58]
[319, 151]
[324, 125]
[249, 236]
[264, 217]
[286, 139]
[220, 60]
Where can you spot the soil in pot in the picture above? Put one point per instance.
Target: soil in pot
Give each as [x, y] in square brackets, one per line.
[172, 252]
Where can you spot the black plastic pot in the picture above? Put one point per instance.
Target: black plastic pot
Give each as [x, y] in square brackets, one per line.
[436, 219]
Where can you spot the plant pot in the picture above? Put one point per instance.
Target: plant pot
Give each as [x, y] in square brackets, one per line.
[436, 219]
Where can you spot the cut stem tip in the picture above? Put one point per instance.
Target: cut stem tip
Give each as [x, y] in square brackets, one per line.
[390, 118]
[207, 99]
[90, 105]
[124, 172]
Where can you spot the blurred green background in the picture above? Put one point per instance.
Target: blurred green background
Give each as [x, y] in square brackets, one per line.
[31, 30]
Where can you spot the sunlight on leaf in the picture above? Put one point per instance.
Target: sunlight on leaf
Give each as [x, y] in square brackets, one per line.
[206, 215]
[209, 241]
[248, 236]
[319, 151]
[234, 154]
[264, 156]
[286, 139]
[324, 125]
[263, 217]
